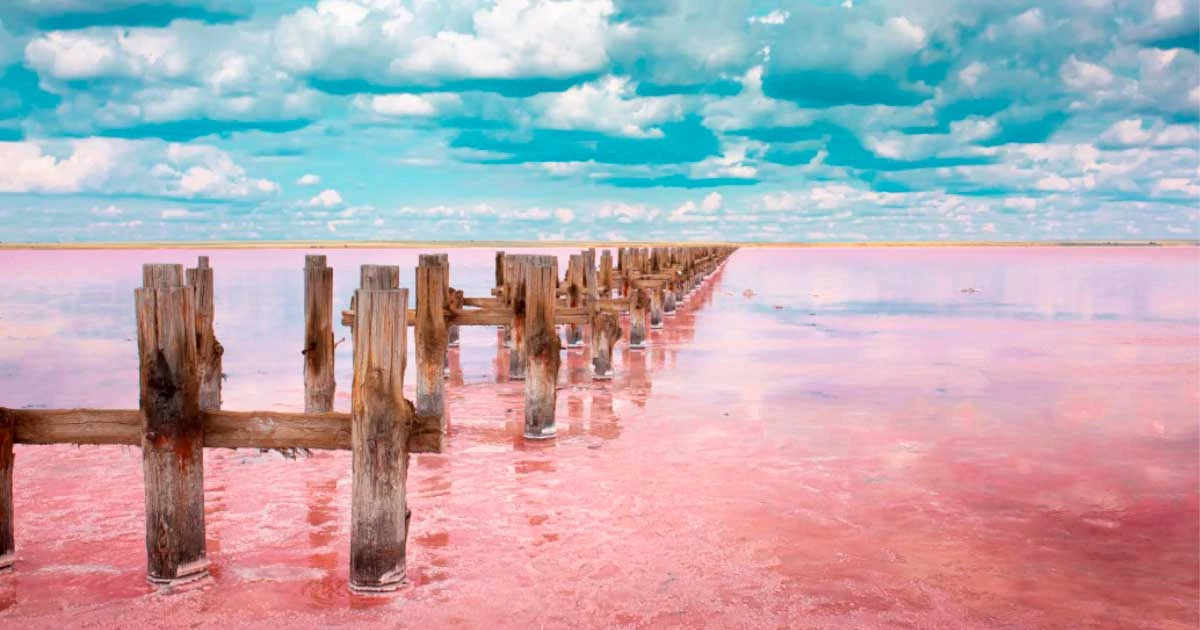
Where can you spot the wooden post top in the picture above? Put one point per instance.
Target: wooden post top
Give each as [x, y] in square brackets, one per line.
[162, 275]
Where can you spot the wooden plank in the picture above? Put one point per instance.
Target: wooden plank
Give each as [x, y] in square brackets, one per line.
[483, 302]
[222, 429]
[277, 430]
[542, 349]
[320, 386]
[172, 429]
[380, 423]
[432, 339]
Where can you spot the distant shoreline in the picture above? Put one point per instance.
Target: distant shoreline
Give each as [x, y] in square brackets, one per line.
[568, 244]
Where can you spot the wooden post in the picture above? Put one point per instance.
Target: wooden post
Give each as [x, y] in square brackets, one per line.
[499, 269]
[575, 298]
[319, 384]
[669, 297]
[207, 346]
[379, 429]
[515, 281]
[606, 270]
[542, 348]
[8, 434]
[504, 278]
[432, 338]
[606, 331]
[637, 319]
[656, 307]
[172, 426]
[379, 277]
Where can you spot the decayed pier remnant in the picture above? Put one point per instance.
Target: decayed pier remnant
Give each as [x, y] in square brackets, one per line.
[319, 383]
[542, 347]
[173, 424]
[172, 427]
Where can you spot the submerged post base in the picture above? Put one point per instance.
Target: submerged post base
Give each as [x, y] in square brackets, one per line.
[378, 589]
[546, 434]
[602, 377]
[636, 346]
[187, 573]
[6, 562]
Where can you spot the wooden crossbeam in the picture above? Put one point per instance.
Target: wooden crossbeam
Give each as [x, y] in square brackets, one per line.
[222, 429]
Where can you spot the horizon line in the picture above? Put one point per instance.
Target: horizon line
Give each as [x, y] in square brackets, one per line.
[317, 244]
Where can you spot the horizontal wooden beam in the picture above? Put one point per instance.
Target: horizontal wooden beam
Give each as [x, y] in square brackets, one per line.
[482, 302]
[499, 316]
[222, 429]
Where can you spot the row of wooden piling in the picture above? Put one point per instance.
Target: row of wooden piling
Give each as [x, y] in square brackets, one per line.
[180, 376]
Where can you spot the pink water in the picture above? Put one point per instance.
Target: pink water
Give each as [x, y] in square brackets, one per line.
[821, 438]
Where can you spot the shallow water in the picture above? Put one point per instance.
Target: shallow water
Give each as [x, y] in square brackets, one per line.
[821, 438]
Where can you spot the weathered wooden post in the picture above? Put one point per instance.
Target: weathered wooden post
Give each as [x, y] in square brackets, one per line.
[575, 298]
[319, 384]
[379, 431]
[656, 306]
[501, 266]
[637, 319]
[207, 346]
[669, 297]
[606, 273]
[432, 340]
[172, 426]
[542, 349]
[8, 435]
[606, 331]
[515, 281]
[379, 277]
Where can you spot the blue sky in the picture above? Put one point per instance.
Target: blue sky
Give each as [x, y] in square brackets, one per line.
[823, 120]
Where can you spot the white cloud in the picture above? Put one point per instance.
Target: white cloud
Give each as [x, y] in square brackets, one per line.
[517, 38]
[609, 105]
[1174, 186]
[309, 179]
[1082, 76]
[112, 166]
[560, 169]
[774, 17]
[627, 212]
[564, 215]
[415, 105]
[1134, 132]
[328, 198]
[971, 73]
[683, 212]
[712, 202]
[1165, 10]
[107, 211]
[85, 165]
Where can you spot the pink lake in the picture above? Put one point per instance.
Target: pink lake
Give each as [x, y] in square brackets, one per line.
[821, 438]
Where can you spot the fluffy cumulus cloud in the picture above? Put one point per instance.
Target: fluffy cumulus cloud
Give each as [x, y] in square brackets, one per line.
[102, 165]
[863, 120]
